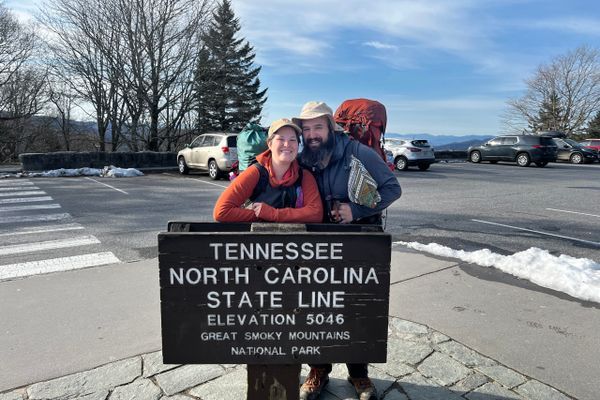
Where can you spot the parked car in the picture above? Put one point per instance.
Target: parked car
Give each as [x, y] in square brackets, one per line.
[212, 152]
[522, 149]
[575, 153]
[410, 152]
[593, 144]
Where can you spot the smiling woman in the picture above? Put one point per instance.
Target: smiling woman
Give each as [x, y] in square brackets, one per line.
[274, 189]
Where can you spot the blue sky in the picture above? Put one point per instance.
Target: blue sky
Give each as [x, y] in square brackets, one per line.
[440, 67]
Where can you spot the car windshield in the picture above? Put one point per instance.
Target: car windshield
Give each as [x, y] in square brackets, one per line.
[572, 142]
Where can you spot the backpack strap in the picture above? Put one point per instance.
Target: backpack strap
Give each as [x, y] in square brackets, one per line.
[263, 180]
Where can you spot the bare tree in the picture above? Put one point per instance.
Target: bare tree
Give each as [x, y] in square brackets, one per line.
[81, 33]
[572, 81]
[63, 98]
[162, 39]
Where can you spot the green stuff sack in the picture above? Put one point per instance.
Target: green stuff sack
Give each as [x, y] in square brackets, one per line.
[251, 141]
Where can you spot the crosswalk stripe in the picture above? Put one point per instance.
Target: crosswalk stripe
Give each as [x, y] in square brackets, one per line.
[56, 264]
[34, 207]
[25, 199]
[14, 188]
[14, 194]
[34, 218]
[48, 245]
[8, 182]
[40, 229]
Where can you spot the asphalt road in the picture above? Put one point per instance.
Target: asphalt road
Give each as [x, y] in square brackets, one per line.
[457, 205]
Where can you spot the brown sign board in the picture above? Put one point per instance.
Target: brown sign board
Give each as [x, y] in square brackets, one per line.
[274, 298]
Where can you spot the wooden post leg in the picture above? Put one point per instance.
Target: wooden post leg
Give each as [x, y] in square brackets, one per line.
[274, 382]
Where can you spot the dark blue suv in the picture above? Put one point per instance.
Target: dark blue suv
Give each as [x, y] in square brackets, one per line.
[522, 149]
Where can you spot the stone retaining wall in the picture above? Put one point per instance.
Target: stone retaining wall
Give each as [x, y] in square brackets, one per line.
[69, 159]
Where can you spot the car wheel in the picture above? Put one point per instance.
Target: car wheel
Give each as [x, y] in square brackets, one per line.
[423, 167]
[213, 170]
[576, 158]
[401, 163]
[475, 157]
[523, 160]
[541, 164]
[183, 168]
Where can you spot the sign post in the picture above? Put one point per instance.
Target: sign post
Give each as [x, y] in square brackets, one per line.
[274, 297]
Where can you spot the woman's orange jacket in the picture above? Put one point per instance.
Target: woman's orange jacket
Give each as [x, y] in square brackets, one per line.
[229, 205]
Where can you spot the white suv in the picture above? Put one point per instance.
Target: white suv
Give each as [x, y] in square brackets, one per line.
[410, 152]
[212, 152]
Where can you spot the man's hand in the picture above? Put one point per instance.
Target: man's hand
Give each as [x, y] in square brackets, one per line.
[256, 207]
[343, 214]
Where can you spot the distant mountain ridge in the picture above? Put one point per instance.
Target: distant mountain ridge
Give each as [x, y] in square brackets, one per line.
[444, 142]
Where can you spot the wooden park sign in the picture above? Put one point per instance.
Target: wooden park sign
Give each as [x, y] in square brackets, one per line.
[229, 295]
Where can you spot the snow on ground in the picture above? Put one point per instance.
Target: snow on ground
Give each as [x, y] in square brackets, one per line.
[578, 277]
[109, 172]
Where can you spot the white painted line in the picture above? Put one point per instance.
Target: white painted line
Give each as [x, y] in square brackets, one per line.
[539, 232]
[8, 182]
[210, 183]
[34, 207]
[25, 199]
[573, 212]
[34, 218]
[8, 189]
[102, 183]
[57, 264]
[41, 229]
[13, 194]
[48, 245]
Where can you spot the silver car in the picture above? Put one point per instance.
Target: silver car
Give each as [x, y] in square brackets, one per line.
[212, 152]
[410, 152]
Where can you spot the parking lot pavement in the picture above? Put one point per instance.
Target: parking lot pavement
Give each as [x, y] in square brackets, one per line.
[38, 236]
[99, 334]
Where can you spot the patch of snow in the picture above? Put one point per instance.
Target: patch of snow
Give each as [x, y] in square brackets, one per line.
[108, 171]
[578, 277]
[115, 172]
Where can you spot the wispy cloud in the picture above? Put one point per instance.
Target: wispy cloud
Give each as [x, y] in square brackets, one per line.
[379, 45]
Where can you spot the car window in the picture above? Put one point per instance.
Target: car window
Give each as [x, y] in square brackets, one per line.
[211, 141]
[197, 142]
[560, 143]
[547, 141]
[572, 142]
[231, 141]
[420, 143]
[495, 141]
[509, 140]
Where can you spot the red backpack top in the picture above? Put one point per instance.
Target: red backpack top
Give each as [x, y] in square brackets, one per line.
[365, 121]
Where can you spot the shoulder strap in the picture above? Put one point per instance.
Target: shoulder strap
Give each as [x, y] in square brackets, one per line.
[263, 180]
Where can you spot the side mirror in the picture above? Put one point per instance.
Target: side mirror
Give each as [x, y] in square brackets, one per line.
[566, 146]
[187, 145]
[486, 144]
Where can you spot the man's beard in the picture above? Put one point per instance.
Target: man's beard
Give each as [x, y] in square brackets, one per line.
[320, 156]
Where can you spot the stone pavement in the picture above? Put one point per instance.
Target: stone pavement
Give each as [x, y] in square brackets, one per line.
[422, 364]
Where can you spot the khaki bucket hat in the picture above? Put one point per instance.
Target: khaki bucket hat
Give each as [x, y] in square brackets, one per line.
[316, 109]
[280, 123]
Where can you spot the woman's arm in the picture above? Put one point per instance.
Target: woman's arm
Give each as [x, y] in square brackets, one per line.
[228, 206]
[312, 211]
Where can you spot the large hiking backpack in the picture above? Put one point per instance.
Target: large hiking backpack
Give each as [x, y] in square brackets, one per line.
[365, 121]
[251, 141]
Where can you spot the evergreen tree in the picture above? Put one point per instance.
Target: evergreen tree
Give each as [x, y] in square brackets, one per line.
[550, 116]
[227, 86]
[593, 128]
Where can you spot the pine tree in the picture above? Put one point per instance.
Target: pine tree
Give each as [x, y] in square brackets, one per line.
[549, 117]
[227, 86]
[593, 128]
